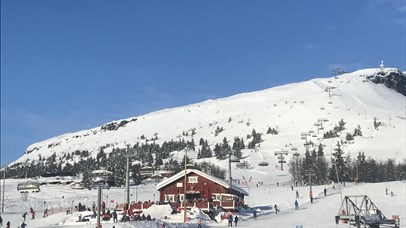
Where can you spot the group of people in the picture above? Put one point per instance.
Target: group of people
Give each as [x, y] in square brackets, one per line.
[391, 192]
[310, 196]
[142, 217]
[232, 219]
[23, 224]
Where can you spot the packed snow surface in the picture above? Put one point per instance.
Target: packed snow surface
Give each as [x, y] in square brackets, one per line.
[321, 213]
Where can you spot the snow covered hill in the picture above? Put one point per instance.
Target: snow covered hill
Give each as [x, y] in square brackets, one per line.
[291, 109]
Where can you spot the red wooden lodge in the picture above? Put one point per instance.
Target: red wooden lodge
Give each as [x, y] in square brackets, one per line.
[202, 190]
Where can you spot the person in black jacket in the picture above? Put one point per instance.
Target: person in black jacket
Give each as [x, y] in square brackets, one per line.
[236, 220]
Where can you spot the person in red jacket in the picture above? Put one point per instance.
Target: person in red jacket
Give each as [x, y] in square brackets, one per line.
[103, 207]
[32, 213]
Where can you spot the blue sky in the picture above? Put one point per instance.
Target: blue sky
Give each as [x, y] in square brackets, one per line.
[69, 65]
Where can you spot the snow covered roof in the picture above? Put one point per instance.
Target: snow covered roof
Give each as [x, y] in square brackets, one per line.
[175, 177]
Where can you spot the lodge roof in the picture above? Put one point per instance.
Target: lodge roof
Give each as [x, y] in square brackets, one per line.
[181, 174]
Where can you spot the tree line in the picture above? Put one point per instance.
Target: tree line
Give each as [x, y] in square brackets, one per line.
[343, 168]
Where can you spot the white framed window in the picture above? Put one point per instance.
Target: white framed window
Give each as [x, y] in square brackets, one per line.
[170, 198]
[216, 197]
[193, 180]
[179, 185]
[181, 197]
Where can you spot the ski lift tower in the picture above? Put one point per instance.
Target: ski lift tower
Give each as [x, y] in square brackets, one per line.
[128, 155]
[359, 211]
[304, 137]
[328, 89]
[296, 174]
[281, 157]
[234, 159]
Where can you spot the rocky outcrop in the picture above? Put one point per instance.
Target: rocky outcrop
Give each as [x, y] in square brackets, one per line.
[395, 80]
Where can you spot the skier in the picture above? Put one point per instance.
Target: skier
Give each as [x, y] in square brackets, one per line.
[311, 196]
[24, 215]
[115, 216]
[325, 192]
[23, 225]
[255, 214]
[291, 187]
[94, 215]
[236, 220]
[276, 209]
[296, 205]
[386, 190]
[199, 223]
[32, 213]
[1, 221]
[8, 224]
[230, 220]
[297, 194]
[103, 207]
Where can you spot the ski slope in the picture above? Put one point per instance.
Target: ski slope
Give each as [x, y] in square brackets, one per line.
[319, 214]
[291, 109]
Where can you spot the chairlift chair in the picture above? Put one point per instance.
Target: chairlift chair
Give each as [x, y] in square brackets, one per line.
[240, 165]
[263, 163]
[234, 159]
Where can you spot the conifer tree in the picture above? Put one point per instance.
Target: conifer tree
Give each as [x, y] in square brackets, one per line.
[321, 164]
[338, 166]
[357, 131]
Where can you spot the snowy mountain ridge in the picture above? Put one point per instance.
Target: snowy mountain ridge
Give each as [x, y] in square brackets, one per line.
[291, 109]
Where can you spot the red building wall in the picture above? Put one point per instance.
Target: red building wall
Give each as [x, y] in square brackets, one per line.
[204, 186]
